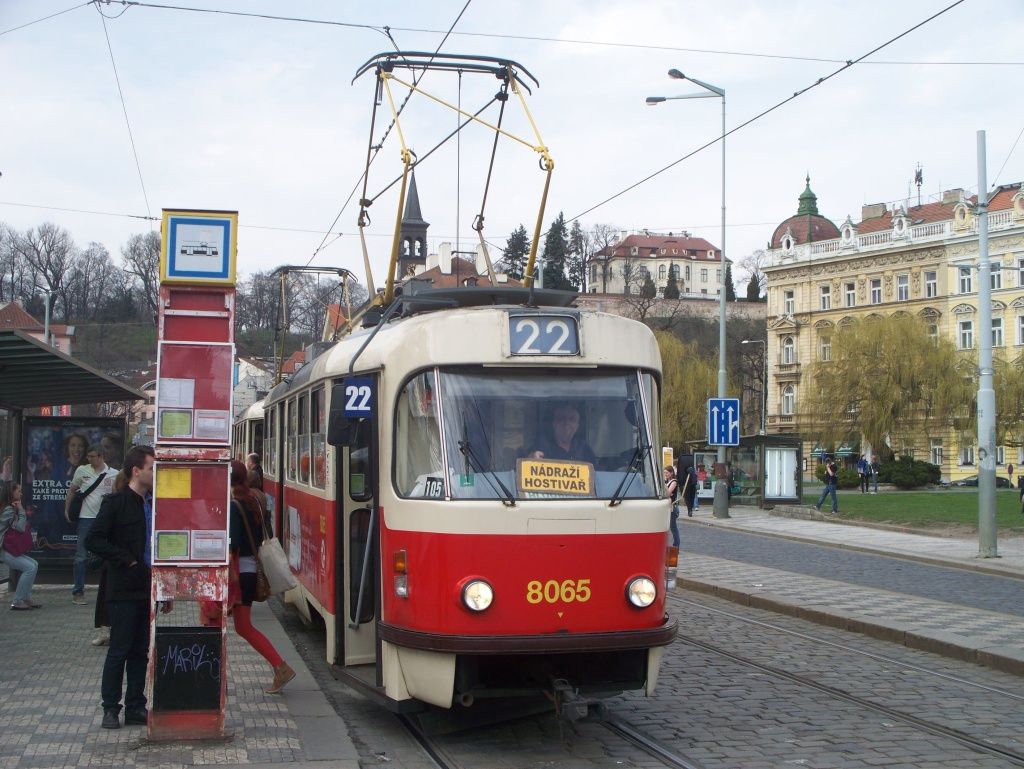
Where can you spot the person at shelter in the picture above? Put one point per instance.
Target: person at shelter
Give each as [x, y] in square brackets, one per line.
[120, 535]
[562, 440]
[13, 517]
[96, 480]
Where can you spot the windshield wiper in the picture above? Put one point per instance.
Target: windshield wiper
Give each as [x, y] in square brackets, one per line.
[635, 465]
[474, 462]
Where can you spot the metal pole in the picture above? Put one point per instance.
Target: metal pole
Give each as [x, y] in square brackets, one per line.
[46, 316]
[721, 504]
[986, 393]
[764, 387]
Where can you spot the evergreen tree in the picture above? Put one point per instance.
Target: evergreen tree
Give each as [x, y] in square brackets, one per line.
[556, 251]
[753, 288]
[577, 263]
[648, 290]
[730, 290]
[672, 287]
[517, 249]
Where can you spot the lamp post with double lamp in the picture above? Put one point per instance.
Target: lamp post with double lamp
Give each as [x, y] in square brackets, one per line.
[721, 505]
[764, 381]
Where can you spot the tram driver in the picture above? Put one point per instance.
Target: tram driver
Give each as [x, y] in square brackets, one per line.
[562, 440]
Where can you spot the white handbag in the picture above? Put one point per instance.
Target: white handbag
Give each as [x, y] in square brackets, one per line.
[275, 564]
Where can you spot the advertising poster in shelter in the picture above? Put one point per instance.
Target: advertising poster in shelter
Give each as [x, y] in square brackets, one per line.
[53, 448]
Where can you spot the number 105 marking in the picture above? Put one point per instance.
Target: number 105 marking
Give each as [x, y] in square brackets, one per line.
[540, 335]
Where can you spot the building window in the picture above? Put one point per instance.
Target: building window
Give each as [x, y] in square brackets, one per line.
[967, 455]
[902, 288]
[1000, 455]
[1020, 273]
[1020, 329]
[997, 332]
[662, 271]
[876, 291]
[788, 400]
[851, 295]
[674, 271]
[718, 276]
[996, 276]
[788, 350]
[687, 273]
[966, 335]
[826, 298]
[966, 284]
[933, 332]
[788, 303]
[703, 274]
[931, 284]
[935, 455]
[826, 348]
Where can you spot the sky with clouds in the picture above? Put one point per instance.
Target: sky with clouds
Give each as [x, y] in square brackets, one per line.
[261, 116]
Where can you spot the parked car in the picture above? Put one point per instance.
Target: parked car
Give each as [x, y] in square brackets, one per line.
[972, 480]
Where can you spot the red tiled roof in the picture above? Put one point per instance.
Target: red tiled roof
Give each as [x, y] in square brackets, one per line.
[939, 212]
[806, 228]
[335, 319]
[14, 316]
[295, 360]
[462, 270]
[657, 242]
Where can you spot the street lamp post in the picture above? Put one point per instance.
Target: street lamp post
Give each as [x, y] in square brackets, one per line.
[721, 505]
[764, 381]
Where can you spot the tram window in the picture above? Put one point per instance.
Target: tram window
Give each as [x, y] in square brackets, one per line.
[268, 444]
[360, 469]
[304, 457]
[418, 439]
[319, 437]
[293, 438]
[494, 418]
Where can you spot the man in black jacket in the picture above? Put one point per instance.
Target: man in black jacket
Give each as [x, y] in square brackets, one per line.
[121, 536]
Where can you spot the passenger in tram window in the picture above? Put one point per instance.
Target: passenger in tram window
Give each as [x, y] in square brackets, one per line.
[562, 440]
[253, 465]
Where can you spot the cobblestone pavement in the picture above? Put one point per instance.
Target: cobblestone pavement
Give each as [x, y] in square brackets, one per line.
[950, 585]
[50, 704]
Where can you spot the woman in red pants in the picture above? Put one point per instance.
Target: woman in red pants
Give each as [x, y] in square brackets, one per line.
[245, 543]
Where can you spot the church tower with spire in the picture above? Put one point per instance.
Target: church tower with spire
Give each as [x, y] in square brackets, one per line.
[413, 238]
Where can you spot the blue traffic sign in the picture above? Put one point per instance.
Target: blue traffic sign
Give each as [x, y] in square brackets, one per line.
[723, 421]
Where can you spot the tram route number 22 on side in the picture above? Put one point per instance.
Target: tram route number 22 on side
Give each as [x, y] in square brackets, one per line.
[358, 397]
[543, 335]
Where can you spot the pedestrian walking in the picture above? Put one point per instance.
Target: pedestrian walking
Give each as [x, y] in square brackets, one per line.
[689, 490]
[120, 535]
[15, 543]
[863, 470]
[248, 527]
[91, 482]
[874, 473]
[1009, 473]
[831, 483]
[672, 489]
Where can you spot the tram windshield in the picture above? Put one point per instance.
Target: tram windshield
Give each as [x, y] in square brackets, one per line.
[552, 434]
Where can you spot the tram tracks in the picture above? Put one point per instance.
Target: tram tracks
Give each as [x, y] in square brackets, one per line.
[973, 742]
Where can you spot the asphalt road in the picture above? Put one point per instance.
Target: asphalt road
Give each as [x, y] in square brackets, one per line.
[957, 586]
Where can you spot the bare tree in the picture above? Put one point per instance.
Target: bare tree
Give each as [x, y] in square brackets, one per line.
[256, 302]
[754, 264]
[142, 259]
[87, 288]
[50, 251]
[601, 238]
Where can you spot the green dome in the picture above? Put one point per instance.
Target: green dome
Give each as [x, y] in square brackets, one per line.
[808, 200]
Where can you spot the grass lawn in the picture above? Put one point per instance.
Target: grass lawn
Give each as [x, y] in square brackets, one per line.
[941, 507]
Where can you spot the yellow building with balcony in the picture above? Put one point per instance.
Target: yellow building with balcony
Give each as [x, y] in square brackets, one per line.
[916, 259]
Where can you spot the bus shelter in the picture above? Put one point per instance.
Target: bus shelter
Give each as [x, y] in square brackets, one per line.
[34, 374]
[764, 470]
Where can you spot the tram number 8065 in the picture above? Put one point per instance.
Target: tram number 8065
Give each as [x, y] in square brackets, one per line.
[553, 591]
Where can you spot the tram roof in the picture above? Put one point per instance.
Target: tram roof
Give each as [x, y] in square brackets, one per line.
[423, 336]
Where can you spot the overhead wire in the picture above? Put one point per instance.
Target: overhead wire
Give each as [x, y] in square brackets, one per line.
[377, 148]
[45, 18]
[124, 108]
[1008, 156]
[821, 80]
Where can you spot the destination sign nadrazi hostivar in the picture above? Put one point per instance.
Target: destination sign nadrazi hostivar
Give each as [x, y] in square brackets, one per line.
[550, 476]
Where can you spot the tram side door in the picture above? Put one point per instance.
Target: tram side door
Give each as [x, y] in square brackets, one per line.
[356, 562]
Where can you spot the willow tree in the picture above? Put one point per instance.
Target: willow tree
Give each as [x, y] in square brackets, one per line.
[688, 380]
[888, 379]
[1008, 382]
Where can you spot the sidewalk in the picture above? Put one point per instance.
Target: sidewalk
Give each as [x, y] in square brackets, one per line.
[50, 690]
[985, 637]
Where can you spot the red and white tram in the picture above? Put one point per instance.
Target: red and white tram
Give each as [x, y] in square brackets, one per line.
[451, 548]
[247, 432]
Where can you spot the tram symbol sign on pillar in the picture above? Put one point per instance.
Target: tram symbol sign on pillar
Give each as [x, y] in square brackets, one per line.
[723, 422]
[191, 494]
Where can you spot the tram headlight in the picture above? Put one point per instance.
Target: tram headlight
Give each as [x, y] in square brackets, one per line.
[641, 592]
[477, 595]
